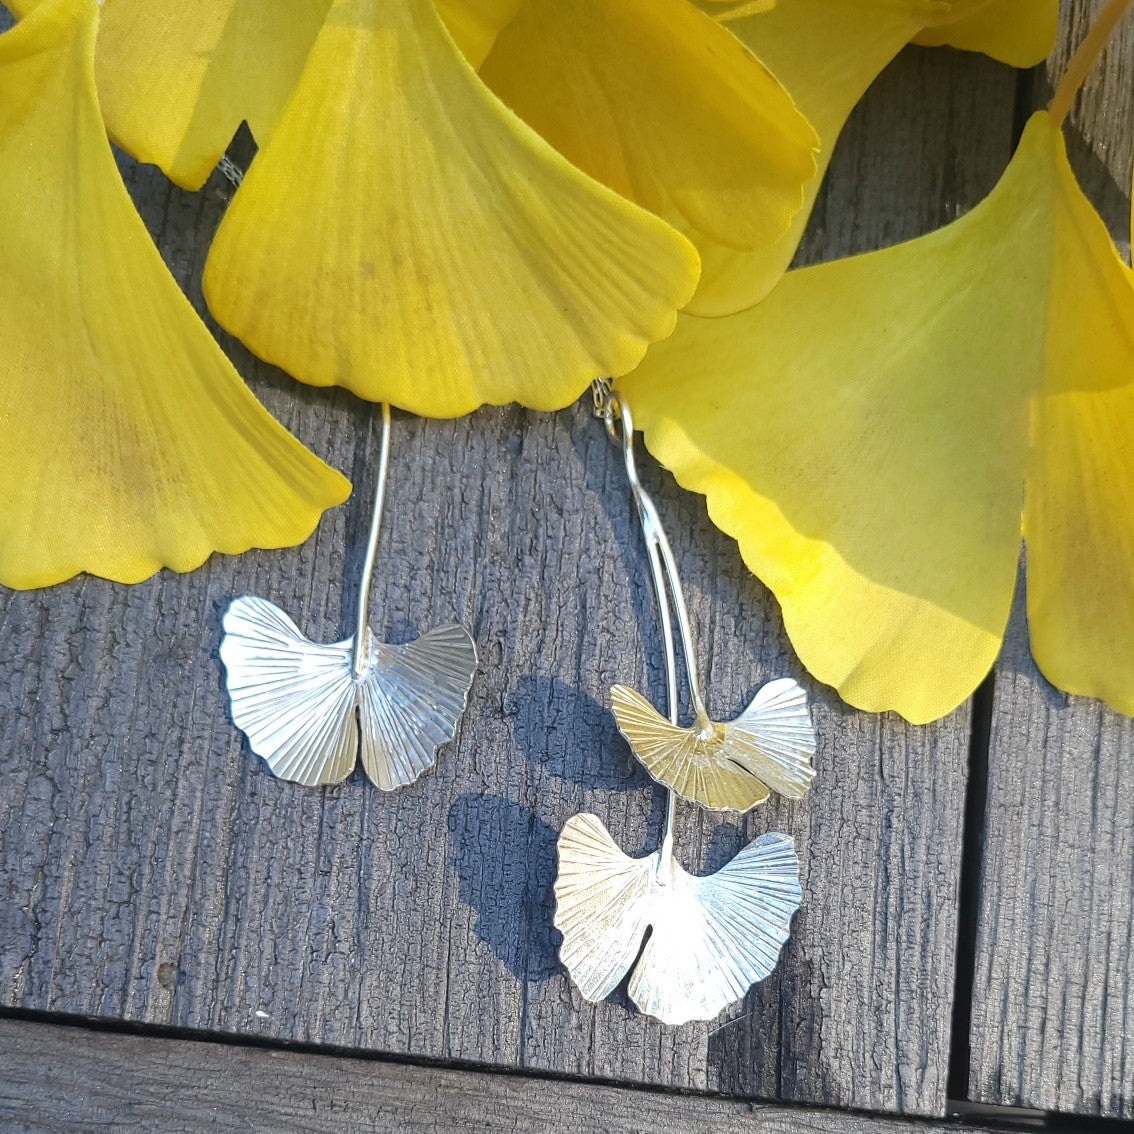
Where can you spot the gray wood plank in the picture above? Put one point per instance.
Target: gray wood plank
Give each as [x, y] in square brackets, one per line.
[63, 1080]
[1052, 1005]
[152, 870]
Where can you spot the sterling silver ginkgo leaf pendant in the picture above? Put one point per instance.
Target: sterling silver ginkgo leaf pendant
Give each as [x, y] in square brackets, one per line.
[297, 701]
[312, 709]
[712, 938]
[729, 766]
[691, 945]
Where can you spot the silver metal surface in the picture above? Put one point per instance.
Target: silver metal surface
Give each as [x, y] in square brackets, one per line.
[230, 171]
[720, 765]
[710, 938]
[713, 937]
[311, 709]
[731, 766]
[362, 617]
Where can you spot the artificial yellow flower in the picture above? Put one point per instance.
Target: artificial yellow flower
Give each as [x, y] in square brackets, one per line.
[826, 53]
[130, 442]
[879, 431]
[176, 79]
[403, 234]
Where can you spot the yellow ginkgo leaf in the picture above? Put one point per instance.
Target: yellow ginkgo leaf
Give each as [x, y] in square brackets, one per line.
[129, 441]
[661, 103]
[405, 235]
[176, 80]
[1079, 502]
[1017, 32]
[827, 53]
[475, 24]
[734, 9]
[867, 431]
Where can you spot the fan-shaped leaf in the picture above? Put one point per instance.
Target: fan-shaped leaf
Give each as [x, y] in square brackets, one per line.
[731, 766]
[176, 80]
[826, 53]
[661, 103]
[130, 442]
[297, 700]
[403, 234]
[896, 408]
[713, 937]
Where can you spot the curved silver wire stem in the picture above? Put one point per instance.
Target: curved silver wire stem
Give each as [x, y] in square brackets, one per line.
[663, 570]
[666, 618]
[670, 580]
[358, 647]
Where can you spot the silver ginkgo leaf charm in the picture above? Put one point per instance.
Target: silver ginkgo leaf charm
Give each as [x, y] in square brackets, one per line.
[731, 765]
[311, 709]
[309, 715]
[691, 945]
[711, 937]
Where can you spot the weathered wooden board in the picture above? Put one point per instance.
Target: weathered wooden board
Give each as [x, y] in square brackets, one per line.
[1053, 995]
[66, 1081]
[152, 870]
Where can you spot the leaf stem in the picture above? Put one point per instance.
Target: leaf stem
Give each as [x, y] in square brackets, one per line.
[1085, 57]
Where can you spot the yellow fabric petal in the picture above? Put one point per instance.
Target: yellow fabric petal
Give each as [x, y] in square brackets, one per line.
[1020, 33]
[177, 79]
[129, 441]
[661, 103]
[827, 53]
[863, 432]
[1079, 511]
[475, 24]
[404, 235]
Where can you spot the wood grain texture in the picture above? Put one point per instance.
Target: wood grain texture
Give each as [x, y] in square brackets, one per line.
[1053, 995]
[1053, 1007]
[151, 869]
[67, 1081]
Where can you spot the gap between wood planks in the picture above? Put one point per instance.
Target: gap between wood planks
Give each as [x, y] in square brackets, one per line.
[968, 896]
[976, 792]
[31, 1035]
